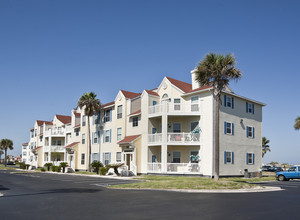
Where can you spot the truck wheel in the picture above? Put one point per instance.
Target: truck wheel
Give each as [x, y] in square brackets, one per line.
[281, 178]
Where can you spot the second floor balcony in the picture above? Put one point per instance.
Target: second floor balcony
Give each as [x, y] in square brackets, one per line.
[175, 138]
[174, 109]
[54, 148]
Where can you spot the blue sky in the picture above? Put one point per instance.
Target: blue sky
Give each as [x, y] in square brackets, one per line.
[51, 52]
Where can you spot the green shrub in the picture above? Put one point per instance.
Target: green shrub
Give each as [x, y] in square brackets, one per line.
[22, 165]
[43, 169]
[64, 165]
[53, 168]
[96, 165]
[27, 166]
[48, 165]
[57, 169]
[104, 170]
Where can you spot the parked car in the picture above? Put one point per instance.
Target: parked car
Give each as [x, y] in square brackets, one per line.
[275, 169]
[10, 163]
[265, 168]
[292, 173]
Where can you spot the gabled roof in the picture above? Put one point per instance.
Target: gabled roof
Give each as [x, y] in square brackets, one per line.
[108, 104]
[71, 145]
[25, 144]
[201, 88]
[64, 119]
[185, 87]
[129, 139]
[130, 95]
[40, 123]
[150, 92]
[77, 114]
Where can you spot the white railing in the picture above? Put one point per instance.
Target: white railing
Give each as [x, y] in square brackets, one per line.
[54, 132]
[68, 129]
[46, 148]
[133, 168]
[55, 148]
[154, 167]
[154, 138]
[183, 137]
[183, 168]
[174, 108]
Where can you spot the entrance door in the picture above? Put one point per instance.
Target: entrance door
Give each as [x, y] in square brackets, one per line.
[128, 160]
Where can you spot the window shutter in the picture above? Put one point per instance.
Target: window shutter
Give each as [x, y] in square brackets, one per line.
[253, 132]
[109, 158]
[98, 140]
[103, 158]
[232, 157]
[225, 127]
[247, 107]
[232, 102]
[103, 134]
[93, 119]
[253, 158]
[247, 131]
[104, 114]
[232, 129]
[92, 137]
[109, 135]
[247, 158]
[225, 100]
[253, 109]
[225, 159]
[110, 112]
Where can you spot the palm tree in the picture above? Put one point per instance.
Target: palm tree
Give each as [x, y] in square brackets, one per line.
[297, 123]
[92, 106]
[217, 70]
[265, 146]
[1, 152]
[5, 145]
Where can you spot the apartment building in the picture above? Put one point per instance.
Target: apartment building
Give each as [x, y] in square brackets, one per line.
[166, 130]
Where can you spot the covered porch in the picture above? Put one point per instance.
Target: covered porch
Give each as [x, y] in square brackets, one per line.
[179, 160]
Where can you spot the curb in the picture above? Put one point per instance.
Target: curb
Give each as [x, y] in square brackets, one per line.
[254, 190]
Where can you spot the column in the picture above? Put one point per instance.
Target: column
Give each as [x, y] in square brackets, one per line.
[164, 146]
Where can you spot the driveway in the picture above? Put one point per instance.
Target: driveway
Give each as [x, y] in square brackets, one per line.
[49, 196]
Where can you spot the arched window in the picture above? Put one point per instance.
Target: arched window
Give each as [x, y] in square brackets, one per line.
[165, 96]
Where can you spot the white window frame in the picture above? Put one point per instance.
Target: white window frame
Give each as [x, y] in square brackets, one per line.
[135, 123]
[83, 120]
[250, 131]
[106, 158]
[195, 103]
[119, 134]
[176, 157]
[107, 115]
[250, 158]
[250, 108]
[177, 104]
[228, 101]
[95, 140]
[177, 123]
[118, 157]
[229, 157]
[83, 139]
[119, 111]
[229, 127]
[82, 159]
[107, 136]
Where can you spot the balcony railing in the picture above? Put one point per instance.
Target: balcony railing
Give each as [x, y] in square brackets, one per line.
[54, 148]
[175, 138]
[154, 138]
[175, 168]
[55, 133]
[174, 108]
[68, 129]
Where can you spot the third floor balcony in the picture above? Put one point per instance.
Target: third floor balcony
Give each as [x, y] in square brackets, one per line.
[175, 138]
[174, 109]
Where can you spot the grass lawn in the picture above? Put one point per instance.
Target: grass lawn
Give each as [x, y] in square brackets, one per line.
[86, 173]
[2, 167]
[181, 182]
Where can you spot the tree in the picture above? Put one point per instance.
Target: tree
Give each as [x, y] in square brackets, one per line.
[97, 165]
[5, 145]
[217, 70]
[48, 165]
[273, 163]
[63, 165]
[92, 106]
[1, 152]
[297, 123]
[265, 146]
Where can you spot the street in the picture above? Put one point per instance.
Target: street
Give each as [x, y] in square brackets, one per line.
[53, 196]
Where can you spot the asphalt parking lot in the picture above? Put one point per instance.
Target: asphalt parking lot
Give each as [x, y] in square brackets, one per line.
[53, 196]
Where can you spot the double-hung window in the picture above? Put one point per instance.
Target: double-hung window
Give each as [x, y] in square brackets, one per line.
[107, 115]
[250, 158]
[176, 157]
[82, 159]
[195, 104]
[119, 112]
[96, 118]
[250, 132]
[83, 120]
[106, 158]
[176, 104]
[83, 139]
[77, 131]
[249, 107]
[228, 128]
[228, 101]
[95, 137]
[228, 157]
[135, 121]
[118, 157]
[107, 135]
[119, 134]
[176, 127]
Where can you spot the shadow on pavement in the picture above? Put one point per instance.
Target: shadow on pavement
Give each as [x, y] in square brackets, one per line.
[3, 188]
[70, 190]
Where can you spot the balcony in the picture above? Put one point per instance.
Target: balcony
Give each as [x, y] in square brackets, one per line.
[68, 129]
[175, 168]
[54, 148]
[174, 109]
[56, 133]
[175, 138]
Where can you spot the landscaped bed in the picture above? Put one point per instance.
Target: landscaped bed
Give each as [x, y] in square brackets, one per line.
[180, 182]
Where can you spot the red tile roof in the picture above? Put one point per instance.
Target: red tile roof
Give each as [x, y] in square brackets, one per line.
[25, 144]
[185, 87]
[64, 119]
[77, 126]
[71, 145]
[201, 88]
[137, 112]
[77, 114]
[129, 139]
[108, 104]
[40, 123]
[36, 148]
[130, 95]
[150, 92]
